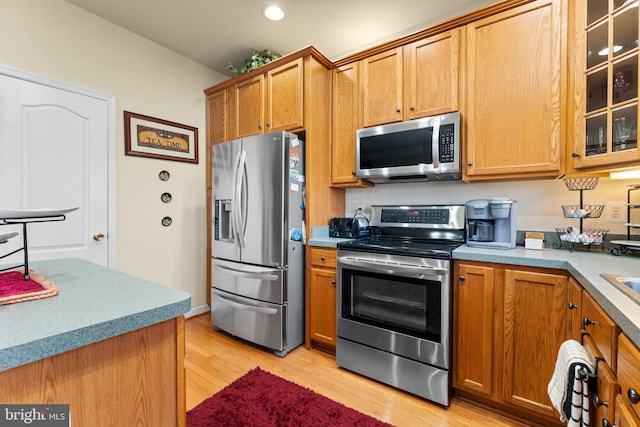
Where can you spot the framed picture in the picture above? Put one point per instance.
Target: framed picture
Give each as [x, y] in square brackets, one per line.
[146, 136]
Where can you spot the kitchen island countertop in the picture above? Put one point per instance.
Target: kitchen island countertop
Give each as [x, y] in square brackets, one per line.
[94, 303]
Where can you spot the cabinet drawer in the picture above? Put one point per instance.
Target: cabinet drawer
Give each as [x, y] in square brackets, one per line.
[323, 257]
[629, 372]
[601, 328]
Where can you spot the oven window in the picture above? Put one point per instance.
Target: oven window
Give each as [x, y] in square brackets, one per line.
[409, 306]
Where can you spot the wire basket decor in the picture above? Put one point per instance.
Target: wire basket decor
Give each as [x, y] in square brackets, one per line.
[586, 211]
[582, 183]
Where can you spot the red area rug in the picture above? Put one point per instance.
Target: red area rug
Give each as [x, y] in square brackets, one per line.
[13, 287]
[259, 398]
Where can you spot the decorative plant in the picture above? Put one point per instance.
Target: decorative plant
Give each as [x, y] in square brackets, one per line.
[256, 59]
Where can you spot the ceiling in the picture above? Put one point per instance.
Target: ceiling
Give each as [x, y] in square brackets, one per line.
[216, 32]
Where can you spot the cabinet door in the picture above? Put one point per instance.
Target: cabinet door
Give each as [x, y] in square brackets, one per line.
[574, 310]
[534, 328]
[217, 117]
[514, 93]
[629, 375]
[381, 88]
[247, 107]
[473, 326]
[323, 306]
[344, 126]
[624, 415]
[284, 97]
[431, 75]
[606, 85]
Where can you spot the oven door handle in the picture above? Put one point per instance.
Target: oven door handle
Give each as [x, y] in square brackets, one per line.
[400, 269]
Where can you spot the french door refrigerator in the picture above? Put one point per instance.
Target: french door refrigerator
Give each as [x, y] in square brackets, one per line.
[257, 274]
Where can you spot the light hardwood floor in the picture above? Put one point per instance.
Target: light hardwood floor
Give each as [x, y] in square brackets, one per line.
[213, 360]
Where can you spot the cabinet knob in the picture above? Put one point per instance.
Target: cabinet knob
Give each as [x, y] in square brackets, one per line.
[469, 163]
[333, 282]
[397, 110]
[633, 396]
[462, 278]
[575, 154]
[411, 108]
[268, 124]
[606, 423]
[353, 173]
[586, 322]
[597, 402]
[322, 258]
[572, 306]
[259, 126]
[98, 236]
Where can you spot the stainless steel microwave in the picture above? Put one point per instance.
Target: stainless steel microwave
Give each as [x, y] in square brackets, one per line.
[426, 149]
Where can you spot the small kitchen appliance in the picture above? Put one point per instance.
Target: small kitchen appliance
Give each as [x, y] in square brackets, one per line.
[426, 149]
[491, 223]
[349, 228]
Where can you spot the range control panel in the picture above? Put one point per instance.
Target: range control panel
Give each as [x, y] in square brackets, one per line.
[445, 216]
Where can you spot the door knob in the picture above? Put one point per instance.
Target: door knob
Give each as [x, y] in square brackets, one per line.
[98, 236]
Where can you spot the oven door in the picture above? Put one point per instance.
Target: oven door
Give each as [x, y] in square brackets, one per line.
[397, 304]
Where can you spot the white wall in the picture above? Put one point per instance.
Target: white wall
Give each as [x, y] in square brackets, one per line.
[58, 40]
[539, 202]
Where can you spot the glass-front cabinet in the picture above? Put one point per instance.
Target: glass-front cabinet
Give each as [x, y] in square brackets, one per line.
[606, 81]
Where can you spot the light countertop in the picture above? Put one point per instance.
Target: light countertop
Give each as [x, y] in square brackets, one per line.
[94, 303]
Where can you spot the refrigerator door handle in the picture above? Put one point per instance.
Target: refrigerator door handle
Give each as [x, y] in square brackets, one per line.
[251, 275]
[263, 310]
[238, 199]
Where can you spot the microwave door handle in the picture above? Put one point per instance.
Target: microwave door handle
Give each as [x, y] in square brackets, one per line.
[425, 271]
[262, 310]
[435, 144]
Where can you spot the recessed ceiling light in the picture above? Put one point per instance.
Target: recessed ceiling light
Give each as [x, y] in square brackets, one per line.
[273, 13]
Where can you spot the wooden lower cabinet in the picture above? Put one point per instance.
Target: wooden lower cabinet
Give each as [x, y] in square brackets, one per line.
[133, 379]
[627, 408]
[322, 299]
[509, 323]
[473, 311]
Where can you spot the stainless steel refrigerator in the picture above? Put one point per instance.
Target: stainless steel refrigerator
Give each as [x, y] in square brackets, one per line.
[257, 274]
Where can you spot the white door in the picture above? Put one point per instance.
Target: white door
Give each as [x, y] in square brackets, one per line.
[54, 153]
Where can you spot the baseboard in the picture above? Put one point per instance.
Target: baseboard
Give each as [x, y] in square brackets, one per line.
[197, 311]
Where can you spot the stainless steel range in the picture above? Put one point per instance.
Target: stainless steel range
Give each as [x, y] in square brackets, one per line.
[394, 298]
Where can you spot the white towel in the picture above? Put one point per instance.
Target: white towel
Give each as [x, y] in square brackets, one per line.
[567, 389]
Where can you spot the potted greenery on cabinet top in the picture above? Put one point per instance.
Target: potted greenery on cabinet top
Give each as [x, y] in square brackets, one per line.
[256, 59]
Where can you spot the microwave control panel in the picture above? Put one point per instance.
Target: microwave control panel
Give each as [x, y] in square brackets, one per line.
[446, 145]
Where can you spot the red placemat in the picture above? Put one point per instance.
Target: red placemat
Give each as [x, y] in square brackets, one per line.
[13, 287]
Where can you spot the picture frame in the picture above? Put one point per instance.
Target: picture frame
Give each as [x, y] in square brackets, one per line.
[146, 136]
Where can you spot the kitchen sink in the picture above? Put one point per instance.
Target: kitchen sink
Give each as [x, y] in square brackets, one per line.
[627, 284]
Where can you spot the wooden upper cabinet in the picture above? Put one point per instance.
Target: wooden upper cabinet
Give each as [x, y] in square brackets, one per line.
[515, 93]
[217, 116]
[284, 99]
[605, 72]
[431, 75]
[247, 107]
[381, 88]
[268, 102]
[344, 126]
